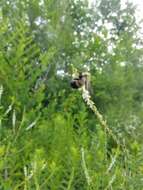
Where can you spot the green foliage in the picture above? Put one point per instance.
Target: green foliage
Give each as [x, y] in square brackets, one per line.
[49, 138]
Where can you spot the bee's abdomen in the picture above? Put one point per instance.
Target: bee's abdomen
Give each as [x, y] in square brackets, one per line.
[76, 84]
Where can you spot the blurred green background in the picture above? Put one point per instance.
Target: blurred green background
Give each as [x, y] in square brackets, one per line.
[49, 138]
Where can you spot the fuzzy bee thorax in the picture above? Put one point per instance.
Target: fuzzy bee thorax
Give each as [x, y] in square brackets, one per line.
[81, 80]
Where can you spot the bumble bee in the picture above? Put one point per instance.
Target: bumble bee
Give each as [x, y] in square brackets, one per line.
[80, 81]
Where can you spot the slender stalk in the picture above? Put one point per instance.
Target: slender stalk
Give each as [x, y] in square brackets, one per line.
[87, 98]
[88, 179]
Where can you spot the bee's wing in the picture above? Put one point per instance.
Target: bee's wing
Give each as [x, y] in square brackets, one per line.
[87, 83]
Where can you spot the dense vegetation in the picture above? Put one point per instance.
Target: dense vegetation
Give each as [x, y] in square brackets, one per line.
[49, 137]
